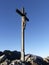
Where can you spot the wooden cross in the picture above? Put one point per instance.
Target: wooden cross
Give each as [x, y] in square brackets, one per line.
[24, 19]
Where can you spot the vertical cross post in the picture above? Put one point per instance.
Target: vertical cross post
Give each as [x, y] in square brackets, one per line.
[24, 19]
[22, 45]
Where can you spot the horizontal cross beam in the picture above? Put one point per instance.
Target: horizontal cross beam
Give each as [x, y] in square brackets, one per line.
[22, 14]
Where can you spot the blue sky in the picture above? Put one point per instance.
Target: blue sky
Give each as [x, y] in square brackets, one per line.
[37, 29]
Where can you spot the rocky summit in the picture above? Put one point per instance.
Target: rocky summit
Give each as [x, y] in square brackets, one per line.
[8, 57]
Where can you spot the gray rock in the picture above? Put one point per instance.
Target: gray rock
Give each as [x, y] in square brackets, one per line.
[2, 58]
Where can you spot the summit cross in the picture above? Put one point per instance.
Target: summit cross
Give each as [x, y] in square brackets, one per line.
[24, 19]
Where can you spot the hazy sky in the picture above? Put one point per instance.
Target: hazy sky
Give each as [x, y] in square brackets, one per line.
[37, 29]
